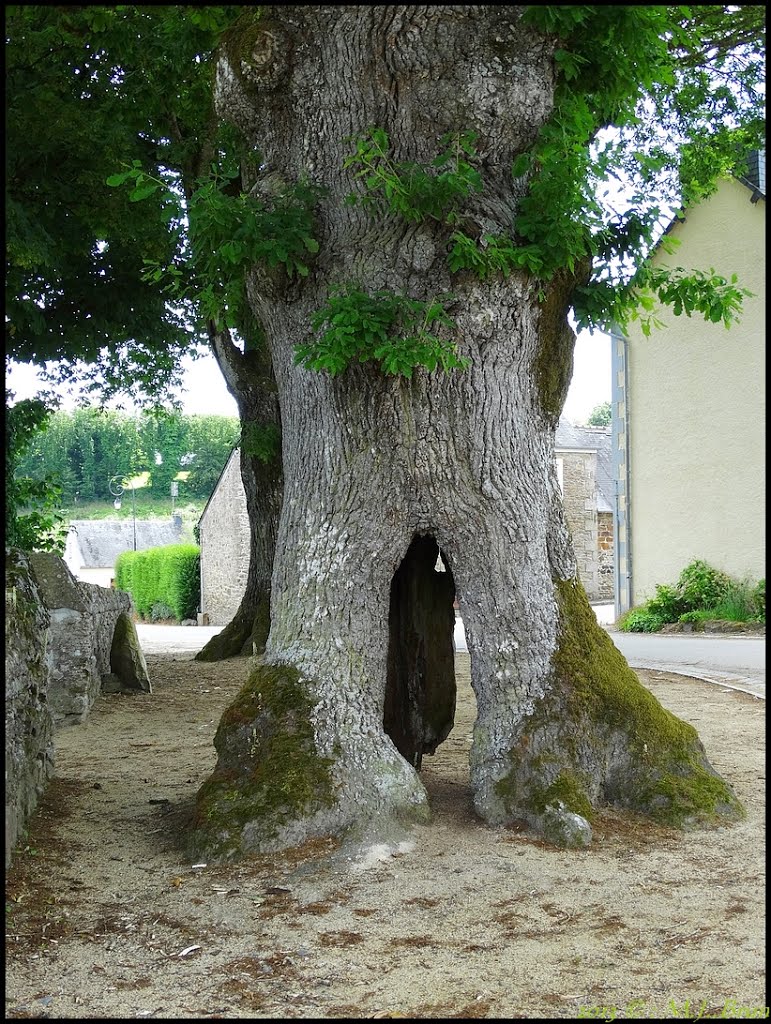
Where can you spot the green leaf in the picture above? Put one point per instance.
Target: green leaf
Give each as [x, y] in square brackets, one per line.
[139, 194]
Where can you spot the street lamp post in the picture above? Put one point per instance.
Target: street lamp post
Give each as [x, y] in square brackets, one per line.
[116, 489]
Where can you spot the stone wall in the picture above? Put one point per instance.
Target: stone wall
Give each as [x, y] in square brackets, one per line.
[579, 496]
[64, 642]
[104, 605]
[606, 566]
[82, 625]
[29, 727]
[225, 539]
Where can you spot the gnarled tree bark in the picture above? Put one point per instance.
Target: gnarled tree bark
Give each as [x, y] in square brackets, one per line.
[249, 379]
[373, 462]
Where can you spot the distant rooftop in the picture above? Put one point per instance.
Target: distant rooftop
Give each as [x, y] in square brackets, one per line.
[569, 436]
[102, 540]
[755, 177]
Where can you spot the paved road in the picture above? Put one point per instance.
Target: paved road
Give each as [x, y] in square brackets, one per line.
[157, 639]
[736, 661]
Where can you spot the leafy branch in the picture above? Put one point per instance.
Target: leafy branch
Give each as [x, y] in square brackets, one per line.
[392, 330]
[34, 520]
[229, 233]
[716, 298]
[409, 189]
[682, 90]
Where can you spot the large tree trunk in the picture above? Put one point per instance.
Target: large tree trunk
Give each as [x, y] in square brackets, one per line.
[250, 380]
[329, 729]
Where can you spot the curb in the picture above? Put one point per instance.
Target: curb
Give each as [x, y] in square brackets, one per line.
[702, 679]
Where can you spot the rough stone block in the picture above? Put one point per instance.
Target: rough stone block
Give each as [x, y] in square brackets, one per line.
[127, 661]
[29, 752]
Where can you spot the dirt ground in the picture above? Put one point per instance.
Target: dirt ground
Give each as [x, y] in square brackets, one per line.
[107, 918]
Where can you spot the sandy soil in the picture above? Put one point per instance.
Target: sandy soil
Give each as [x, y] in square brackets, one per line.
[107, 918]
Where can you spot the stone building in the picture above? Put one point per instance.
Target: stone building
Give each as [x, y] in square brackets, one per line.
[224, 542]
[583, 466]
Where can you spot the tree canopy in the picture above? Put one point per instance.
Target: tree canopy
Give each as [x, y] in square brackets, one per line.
[118, 282]
[85, 449]
[90, 88]
[132, 221]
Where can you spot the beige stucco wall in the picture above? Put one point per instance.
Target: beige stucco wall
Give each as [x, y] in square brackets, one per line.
[697, 411]
[224, 542]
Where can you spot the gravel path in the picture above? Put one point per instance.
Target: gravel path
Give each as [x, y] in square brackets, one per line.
[107, 918]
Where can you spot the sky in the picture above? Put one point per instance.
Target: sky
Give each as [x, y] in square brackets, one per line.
[205, 393]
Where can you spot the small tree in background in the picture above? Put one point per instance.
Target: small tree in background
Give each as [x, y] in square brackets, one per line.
[600, 415]
[32, 515]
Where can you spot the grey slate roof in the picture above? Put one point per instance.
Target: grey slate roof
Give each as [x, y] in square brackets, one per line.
[755, 178]
[102, 540]
[597, 439]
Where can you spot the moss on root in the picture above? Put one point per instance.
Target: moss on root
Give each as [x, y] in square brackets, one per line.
[246, 633]
[599, 734]
[566, 789]
[269, 771]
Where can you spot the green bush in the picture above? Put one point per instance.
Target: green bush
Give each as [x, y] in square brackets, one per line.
[640, 620]
[167, 576]
[161, 611]
[668, 604]
[693, 617]
[701, 593]
[702, 587]
[759, 600]
[739, 605]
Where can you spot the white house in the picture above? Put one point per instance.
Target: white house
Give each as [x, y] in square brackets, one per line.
[689, 411]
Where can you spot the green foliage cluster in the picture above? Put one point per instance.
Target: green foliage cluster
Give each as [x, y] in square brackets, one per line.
[33, 516]
[90, 88]
[600, 416]
[85, 449]
[701, 593]
[392, 330]
[492, 254]
[682, 90]
[663, 100]
[759, 599]
[229, 232]
[409, 189]
[263, 440]
[162, 578]
[702, 586]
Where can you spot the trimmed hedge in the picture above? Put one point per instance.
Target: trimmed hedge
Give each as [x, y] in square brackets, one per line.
[167, 576]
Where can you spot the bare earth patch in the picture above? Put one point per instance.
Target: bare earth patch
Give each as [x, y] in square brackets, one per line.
[108, 918]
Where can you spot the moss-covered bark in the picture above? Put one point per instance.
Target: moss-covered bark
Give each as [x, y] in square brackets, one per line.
[372, 460]
[268, 771]
[246, 633]
[599, 736]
